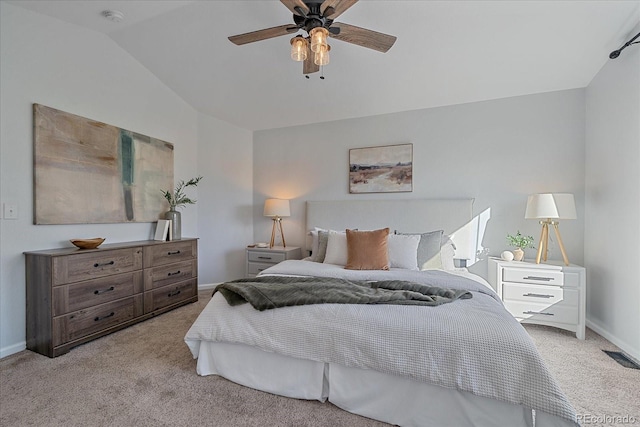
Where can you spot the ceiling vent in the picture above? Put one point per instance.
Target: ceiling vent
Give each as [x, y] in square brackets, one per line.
[113, 15]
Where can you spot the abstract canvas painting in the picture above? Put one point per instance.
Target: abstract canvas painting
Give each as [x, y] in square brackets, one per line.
[88, 172]
[383, 169]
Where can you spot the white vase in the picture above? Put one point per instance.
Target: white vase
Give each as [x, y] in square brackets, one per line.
[518, 254]
[507, 256]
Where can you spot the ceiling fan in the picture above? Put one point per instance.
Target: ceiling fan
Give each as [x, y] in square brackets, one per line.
[316, 18]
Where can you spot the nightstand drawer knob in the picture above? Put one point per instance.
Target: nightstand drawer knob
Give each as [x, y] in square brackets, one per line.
[264, 257]
[548, 279]
[538, 312]
[537, 295]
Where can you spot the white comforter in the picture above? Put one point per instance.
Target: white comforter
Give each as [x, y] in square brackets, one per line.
[473, 345]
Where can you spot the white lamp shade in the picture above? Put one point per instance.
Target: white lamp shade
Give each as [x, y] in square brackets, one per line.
[551, 206]
[276, 208]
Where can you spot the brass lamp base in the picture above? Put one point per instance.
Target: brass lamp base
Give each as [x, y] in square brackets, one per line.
[543, 248]
[276, 220]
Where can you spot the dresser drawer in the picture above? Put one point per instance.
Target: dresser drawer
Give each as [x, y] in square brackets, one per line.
[556, 313]
[95, 319]
[94, 264]
[535, 276]
[169, 253]
[266, 257]
[540, 294]
[164, 275]
[169, 295]
[68, 298]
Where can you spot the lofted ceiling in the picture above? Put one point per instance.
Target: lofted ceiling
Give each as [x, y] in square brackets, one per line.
[447, 52]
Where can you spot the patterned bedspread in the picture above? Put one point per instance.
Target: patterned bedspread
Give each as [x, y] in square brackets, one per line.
[473, 345]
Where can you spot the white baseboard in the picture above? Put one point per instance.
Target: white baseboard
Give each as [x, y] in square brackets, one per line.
[625, 347]
[12, 349]
[207, 286]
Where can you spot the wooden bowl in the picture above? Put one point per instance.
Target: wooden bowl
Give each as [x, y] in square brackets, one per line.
[87, 243]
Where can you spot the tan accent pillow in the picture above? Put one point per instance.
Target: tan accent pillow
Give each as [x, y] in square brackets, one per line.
[367, 250]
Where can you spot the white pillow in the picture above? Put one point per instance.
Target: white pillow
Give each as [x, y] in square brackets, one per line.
[403, 250]
[447, 252]
[337, 251]
[314, 242]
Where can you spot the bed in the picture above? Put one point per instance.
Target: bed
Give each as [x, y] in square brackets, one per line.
[464, 363]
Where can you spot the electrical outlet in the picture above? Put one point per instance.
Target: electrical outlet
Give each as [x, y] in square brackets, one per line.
[10, 211]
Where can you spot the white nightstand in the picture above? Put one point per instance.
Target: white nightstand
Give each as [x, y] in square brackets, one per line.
[259, 259]
[546, 294]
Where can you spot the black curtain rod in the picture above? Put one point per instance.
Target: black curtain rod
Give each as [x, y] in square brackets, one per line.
[616, 53]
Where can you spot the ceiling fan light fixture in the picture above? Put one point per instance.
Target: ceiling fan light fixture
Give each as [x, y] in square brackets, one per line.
[298, 48]
[318, 38]
[321, 57]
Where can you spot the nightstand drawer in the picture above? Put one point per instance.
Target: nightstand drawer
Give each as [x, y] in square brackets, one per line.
[257, 267]
[266, 257]
[540, 294]
[558, 313]
[535, 276]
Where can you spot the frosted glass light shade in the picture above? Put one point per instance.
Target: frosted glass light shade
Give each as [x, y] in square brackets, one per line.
[551, 206]
[276, 208]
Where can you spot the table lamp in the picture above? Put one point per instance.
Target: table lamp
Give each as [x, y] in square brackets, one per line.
[276, 209]
[549, 208]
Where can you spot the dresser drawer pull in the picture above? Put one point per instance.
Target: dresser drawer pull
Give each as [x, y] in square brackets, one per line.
[102, 291]
[173, 252]
[538, 312]
[174, 293]
[537, 295]
[96, 265]
[264, 257]
[97, 319]
[173, 274]
[548, 279]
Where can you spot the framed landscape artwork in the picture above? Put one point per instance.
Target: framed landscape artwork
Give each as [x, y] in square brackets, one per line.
[385, 169]
[88, 172]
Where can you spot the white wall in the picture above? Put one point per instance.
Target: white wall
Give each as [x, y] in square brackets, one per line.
[612, 205]
[497, 152]
[67, 67]
[225, 224]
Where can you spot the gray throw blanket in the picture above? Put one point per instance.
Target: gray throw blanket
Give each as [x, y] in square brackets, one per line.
[268, 292]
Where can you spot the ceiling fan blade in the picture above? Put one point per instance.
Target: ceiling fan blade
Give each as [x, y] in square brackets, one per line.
[267, 33]
[292, 4]
[363, 37]
[308, 66]
[339, 6]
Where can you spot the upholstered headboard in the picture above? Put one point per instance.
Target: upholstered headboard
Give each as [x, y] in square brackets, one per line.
[408, 216]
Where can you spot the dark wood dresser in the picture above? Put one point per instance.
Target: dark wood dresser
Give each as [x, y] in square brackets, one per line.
[77, 295]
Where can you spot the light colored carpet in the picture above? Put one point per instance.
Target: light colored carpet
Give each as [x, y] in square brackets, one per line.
[145, 376]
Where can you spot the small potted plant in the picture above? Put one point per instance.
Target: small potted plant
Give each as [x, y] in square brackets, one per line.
[178, 199]
[521, 243]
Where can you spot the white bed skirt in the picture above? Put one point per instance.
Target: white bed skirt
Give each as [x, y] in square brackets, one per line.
[372, 394]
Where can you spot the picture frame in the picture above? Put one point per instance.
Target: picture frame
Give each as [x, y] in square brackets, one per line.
[382, 169]
[163, 230]
[89, 172]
